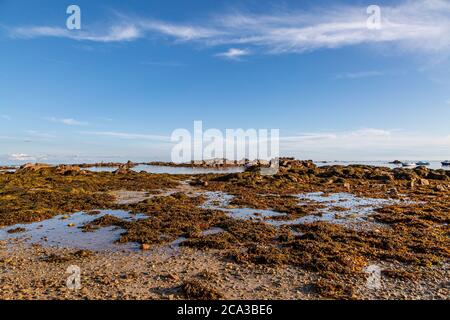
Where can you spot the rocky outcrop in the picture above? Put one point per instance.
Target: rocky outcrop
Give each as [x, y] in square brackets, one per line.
[438, 175]
[68, 169]
[123, 169]
[33, 167]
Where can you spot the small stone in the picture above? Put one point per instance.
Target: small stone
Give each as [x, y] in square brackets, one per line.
[393, 192]
[172, 276]
[145, 246]
[84, 291]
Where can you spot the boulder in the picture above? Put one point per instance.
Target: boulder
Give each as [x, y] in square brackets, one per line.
[436, 175]
[122, 170]
[33, 167]
[421, 171]
[405, 174]
[67, 169]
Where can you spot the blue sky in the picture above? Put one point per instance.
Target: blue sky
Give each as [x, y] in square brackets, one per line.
[136, 71]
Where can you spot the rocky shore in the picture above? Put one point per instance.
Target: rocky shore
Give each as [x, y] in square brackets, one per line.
[306, 232]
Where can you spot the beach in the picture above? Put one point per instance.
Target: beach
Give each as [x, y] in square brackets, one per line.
[307, 232]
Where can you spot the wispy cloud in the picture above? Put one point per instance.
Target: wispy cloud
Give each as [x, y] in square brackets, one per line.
[179, 31]
[234, 53]
[367, 143]
[117, 33]
[125, 135]
[5, 117]
[416, 26]
[68, 121]
[21, 157]
[359, 75]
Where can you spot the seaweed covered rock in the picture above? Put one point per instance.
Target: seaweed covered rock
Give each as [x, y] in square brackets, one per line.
[198, 290]
[33, 167]
[124, 169]
[438, 175]
[68, 169]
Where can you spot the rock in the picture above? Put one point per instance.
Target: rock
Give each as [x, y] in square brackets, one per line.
[424, 182]
[393, 193]
[172, 276]
[145, 246]
[412, 184]
[422, 171]
[433, 175]
[405, 174]
[440, 188]
[67, 169]
[122, 170]
[347, 186]
[33, 167]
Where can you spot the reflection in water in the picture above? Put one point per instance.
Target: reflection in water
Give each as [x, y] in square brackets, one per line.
[64, 231]
[172, 170]
[101, 169]
[185, 170]
[352, 208]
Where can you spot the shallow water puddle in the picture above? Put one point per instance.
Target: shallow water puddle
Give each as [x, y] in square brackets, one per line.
[186, 170]
[101, 169]
[64, 231]
[221, 201]
[8, 170]
[339, 208]
[171, 170]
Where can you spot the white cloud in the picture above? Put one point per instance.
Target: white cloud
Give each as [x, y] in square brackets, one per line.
[133, 136]
[416, 26]
[68, 121]
[234, 53]
[359, 75]
[21, 157]
[181, 32]
[368, 144]
[117, 33]
[5, 117]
